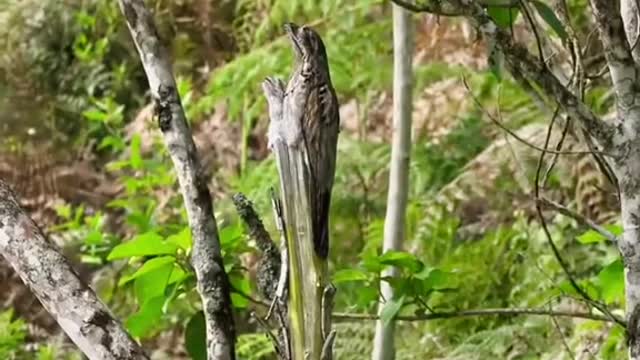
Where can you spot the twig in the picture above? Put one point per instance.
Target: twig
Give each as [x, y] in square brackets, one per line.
[552, 244]
[206, 258]
[271, 336]
[562, 337]
[512, 133]
[525, 10]
[346, 317]
[579, 218]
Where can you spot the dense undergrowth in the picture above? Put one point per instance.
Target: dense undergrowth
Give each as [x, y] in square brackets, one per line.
[70, 78]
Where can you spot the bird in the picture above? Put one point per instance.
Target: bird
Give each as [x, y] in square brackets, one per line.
[311, 104]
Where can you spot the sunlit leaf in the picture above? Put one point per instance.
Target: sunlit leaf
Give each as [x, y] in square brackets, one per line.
[435, 279]
[590, 237]
[152, 283]
[242, 288]
[149, 243]
[181, 239]
[611, 280]
[348, 275]
[146, 319]
[149, 266]
[135, 156]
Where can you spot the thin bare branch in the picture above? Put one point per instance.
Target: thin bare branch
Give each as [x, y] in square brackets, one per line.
[346, 317]
[579, 218]
[556, 252]
[513, 133]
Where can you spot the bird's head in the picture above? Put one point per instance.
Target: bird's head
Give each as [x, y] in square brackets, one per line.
[307, 44]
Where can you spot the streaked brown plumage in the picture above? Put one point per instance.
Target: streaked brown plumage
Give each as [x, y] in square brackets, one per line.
[311, 98]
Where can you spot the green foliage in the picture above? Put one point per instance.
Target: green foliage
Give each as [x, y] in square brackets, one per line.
[255, 347]
[66, 55]
[550, 17]
[78, 58]
[12, 334]
[503, 17]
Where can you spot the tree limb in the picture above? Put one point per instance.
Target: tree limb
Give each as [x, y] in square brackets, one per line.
[213, 283]
[49, 275]
[523, 64]
[579, 218]
[345, 317]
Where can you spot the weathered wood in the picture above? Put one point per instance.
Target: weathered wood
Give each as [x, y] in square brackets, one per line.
[303, 137]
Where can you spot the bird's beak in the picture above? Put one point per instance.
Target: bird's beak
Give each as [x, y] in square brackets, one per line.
[292, 31]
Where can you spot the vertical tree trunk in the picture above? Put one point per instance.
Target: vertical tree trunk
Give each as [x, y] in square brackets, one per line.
[627, 169]
[399, 168]
[206, 257]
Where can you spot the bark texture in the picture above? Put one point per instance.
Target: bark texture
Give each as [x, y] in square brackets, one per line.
[394, 222]
[213, 283]
[49, 275]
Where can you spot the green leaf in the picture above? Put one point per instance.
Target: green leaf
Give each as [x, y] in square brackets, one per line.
[64, 211]
[181, 239]
[153, 282]
[550, 17]
[615, 229]
[401, 259]
[229, 234]
[95, 115]
[136, 157]
[241, 285]
[503, 17]
[93, 238]
[434, 279]
[611, 280]
[590, 237]
[589, 287]
[391, 309]
[372, 264]
[177, 275]
[366, 296]
[149, 243]
[348, 275]
[195, 337]
[147, 267]
[146, 319]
